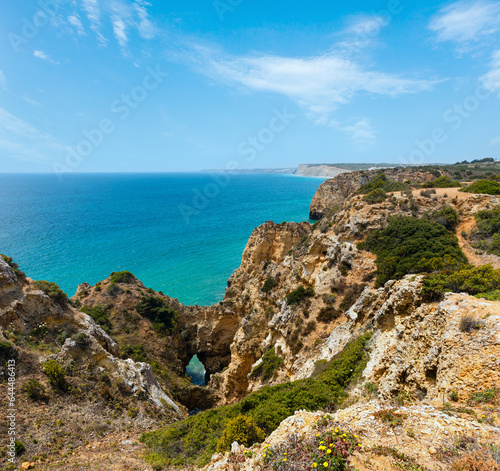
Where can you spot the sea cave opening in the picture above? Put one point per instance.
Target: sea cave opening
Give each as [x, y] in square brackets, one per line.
[196, 372]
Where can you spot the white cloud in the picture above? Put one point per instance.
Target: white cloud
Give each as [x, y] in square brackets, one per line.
[491, 80]
[74, 20]
[361, 132]
[120, 30]
[3, 81]
[44, 56]
[123, 16]
[318, 83]
[360, 34]
[466, 22]
[145, 27]
[22, 141]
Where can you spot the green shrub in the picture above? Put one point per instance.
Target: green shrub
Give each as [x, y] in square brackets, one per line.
[299, 295]
[442, 182]
[487, 187]
[122, 277]
[486, 235]
[19, 447]
[156, 310]
[446, 216]
[55, 374]
[270, 364]
[194, 440]
[269, 284]
[12, 264]
[469, 279]
[469, 324]
[328, 314]
[7, 351]
[410, 245]
[241, 429]
[35, 390]
[375, 196]
[136, 352]
[51, 290]
[380, 182]
[100, 317]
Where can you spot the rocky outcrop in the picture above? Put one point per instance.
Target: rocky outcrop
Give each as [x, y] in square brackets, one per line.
[332, 194]
[424, 438]
[324, 171]
[23, 308]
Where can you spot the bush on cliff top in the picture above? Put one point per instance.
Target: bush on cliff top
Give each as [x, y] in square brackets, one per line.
[473, 280]
[156, 310]
[411, 245]
[122, 277]
[51, 290]
[486, 235]
[194, 440]
[487, 187]
[381, 182]
[442, 182]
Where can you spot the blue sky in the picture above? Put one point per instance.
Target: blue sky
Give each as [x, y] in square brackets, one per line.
[132, 85]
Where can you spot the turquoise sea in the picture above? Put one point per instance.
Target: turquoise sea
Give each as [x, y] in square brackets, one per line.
[182, 234]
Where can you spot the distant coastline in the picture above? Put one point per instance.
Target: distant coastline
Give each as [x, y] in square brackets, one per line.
[307, 170]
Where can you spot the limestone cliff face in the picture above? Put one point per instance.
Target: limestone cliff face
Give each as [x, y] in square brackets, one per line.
[333, 193]
[325, 258]
[23, 308]
[326, 171]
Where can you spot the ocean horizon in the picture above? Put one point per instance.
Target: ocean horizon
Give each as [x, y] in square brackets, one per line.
[179, 233]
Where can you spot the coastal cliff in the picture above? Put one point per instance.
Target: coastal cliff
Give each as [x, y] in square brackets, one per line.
[307, 304]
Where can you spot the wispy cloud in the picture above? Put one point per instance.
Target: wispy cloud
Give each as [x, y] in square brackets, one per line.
[319, 84]
[361, 33]
[466, 22]
[491, 80]
[22, 141]
[3, 81]
[44, 56]
[120, 30]
[74, 20]
[361, 132]
[124, 16]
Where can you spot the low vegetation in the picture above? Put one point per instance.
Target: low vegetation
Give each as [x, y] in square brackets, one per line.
[269, 284]
[155, 309]
[269, 365]
[194, 440]
[52, 291]
[488, 187]
[486, 235]
[56, 375]
[411, 245]
[381, 182]
[100, 316]
[469, 279]
[442, 182]
[241, 429]
[299, 295]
